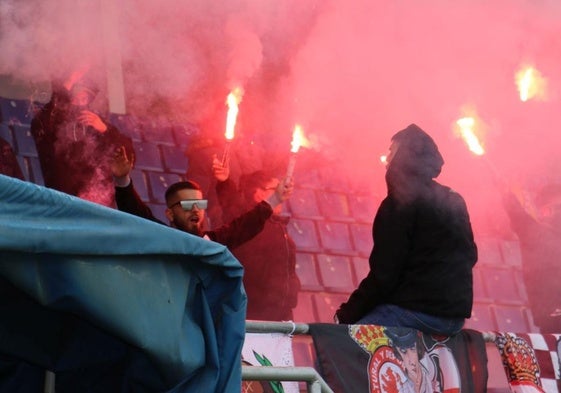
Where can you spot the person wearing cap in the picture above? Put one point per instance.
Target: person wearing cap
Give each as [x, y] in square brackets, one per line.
[186, 206]
[424, 251]
[539, 233]
[75, 144]
[407, 345]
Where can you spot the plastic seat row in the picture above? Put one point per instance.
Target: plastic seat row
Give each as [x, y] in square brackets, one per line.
[342, 273]
[316, 203]
[150, 156]
[493, 251]
[20, 138]
[160, 132]
[17, 111]
[321, 306]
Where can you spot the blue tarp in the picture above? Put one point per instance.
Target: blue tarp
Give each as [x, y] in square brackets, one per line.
[100, 287]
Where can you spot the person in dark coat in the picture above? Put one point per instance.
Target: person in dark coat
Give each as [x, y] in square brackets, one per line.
[539, 235]
[9, 165]
[424, 251]
[269, 259]
[74, 144]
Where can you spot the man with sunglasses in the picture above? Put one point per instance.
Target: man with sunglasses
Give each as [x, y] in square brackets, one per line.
[186, 206]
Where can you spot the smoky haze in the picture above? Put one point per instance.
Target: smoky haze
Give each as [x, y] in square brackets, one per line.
[352, 73]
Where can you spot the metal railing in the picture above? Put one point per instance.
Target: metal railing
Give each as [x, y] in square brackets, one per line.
[315, 383]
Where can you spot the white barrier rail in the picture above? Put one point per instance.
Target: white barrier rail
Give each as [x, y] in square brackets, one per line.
[315, 383]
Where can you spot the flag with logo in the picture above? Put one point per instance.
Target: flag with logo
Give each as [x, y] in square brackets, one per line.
[371, 358]
[531, 361]
[269, 349]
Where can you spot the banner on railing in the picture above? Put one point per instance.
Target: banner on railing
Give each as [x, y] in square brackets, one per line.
[268, 349]
[531, 361]
[371, 358]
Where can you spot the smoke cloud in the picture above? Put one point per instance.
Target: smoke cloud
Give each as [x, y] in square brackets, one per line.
[352, 73]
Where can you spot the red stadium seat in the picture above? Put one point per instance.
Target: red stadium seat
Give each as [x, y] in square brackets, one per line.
[335, 237]
[336, 273]
[304, 234]
[307, 272]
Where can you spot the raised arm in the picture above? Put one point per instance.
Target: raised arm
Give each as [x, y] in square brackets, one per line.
[126, 197]
[250, 223]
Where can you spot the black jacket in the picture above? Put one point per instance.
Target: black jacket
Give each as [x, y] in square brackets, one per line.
[269, 261]
[424, 249]
[9, 165]
[75, 159]
[540, 247]
[233, 234]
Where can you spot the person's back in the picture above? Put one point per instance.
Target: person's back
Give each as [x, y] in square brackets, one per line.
[437, 274]
[421, 263]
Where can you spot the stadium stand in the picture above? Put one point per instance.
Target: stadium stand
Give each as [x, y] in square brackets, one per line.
[332, 249]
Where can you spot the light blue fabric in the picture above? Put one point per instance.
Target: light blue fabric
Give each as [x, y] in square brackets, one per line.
[177, 297]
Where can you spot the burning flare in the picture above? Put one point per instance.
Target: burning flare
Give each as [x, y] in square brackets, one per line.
[298, 139]
[234, 98]
[531, 84]
[466, 125]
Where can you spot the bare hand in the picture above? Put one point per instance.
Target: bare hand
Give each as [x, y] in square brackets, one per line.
[121, 165]
[220, 172]
[88, 118]
[284, 189]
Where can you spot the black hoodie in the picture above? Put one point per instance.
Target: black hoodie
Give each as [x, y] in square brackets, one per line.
[424, 249]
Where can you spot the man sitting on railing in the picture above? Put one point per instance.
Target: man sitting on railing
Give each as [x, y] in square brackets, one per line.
[421, 264]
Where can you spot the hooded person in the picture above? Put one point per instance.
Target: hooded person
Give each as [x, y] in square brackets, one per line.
[408, 348]
[74, 144]
[424, 251]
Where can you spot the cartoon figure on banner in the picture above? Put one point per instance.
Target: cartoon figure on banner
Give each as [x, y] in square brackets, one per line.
[408, 348]
[401, 362]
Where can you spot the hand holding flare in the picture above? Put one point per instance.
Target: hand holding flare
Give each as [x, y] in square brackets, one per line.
[234, 98]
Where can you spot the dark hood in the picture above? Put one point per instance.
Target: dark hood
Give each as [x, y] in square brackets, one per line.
[416, 162]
